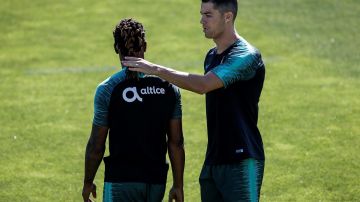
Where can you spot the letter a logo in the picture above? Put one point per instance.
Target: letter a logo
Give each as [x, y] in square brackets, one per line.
[134, 96]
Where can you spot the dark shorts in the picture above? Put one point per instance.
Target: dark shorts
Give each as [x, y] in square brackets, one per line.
[133, 192]
[232, 182]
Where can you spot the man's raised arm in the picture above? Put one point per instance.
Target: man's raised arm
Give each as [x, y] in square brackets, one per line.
[193, 82]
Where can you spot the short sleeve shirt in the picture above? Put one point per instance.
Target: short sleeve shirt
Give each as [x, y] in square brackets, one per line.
[232, 111]
[103, 95]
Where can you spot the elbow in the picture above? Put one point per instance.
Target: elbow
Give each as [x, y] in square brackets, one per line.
[95, 155]
[205, 85]
[201, 89]
[99, 151]
[175, 145]
[95, 152]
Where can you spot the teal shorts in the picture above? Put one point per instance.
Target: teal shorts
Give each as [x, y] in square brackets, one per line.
[133, 192]
[232, 182]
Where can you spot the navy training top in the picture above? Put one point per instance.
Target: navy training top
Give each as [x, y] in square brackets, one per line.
[232, 111]
[137, 113]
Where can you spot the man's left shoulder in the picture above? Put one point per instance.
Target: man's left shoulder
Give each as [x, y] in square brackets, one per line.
[244, 47]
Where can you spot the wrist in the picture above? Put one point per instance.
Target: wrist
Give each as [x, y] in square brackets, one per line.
[178, 185]
[88, 182]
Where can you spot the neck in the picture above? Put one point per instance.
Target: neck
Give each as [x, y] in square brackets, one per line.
[226, 39]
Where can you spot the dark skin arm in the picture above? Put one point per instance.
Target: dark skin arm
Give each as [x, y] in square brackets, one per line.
[177, 159]
[94, 154]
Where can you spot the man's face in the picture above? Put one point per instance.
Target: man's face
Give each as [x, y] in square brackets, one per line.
[212, 21]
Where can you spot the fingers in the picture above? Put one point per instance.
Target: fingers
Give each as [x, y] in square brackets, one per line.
[139, 65]
[134, 69]
[85, 195]
[130, 64]
[176, 198]
[86, 192]
[130, 61]
[171, 196]
[132, 58]
[86, 198]
[93, 191]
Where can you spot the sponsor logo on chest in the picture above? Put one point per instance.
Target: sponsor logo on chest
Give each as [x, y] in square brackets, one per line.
[130, 94]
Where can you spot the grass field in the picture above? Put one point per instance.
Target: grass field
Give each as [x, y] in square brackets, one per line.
[54, 53]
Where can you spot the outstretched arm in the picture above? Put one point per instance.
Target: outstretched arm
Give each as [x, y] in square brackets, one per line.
[193, 82]
[93, 156]
[177, 159]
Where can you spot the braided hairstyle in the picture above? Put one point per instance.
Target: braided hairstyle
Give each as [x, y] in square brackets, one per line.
[129, 40]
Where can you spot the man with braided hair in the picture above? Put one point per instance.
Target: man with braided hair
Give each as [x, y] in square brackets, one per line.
[233, 80]
[142, 115]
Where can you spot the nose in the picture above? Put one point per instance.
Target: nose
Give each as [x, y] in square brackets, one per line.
[202, 20]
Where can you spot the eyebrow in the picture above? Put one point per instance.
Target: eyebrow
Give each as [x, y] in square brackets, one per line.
[205, 13]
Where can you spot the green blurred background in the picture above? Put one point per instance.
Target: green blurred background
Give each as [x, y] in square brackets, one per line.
[53, 54]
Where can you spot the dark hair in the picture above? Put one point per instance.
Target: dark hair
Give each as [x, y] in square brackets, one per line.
[224, 6]
[129, 39]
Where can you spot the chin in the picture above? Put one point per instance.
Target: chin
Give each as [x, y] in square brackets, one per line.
[208, 36]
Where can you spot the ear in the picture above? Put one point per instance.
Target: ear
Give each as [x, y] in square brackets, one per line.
[229, 16]
[145, 46]
[116, 49]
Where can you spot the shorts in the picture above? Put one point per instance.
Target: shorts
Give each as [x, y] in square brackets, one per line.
[133, 192]
[232, 182]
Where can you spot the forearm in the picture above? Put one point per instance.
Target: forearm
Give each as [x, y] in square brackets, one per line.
[192, 82]
[93, 158]
[177, 159]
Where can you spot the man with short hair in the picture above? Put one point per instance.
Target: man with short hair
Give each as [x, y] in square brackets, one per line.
[143, 117]
[233, 80]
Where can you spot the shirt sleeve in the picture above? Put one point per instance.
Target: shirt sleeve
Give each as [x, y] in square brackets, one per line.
[101, 106]
[177, 114]
[236, 66]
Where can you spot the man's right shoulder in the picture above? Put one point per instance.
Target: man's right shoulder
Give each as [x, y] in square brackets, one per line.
[211, 52]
